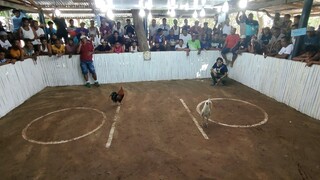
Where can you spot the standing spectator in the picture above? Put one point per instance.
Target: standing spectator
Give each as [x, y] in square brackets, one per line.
[16, 52]
[311, 38]
[61, 27]
[159, 38]
[105, 30]
[25, 31]
[57, 48]
[266, 36]
[286, 27]
[4, 43]
[230, 43]
[241, 21]
[277, 21]
[219, 72]
[129, 27]
[176, 28]
[50, 31]
[171, 40]
[39, 34]
[196, 29]
[70, 48]
[86, 63]
[17, 20]
[119, 29]
[93, 30]
[226, 28]
[115, 38]
[165, 27]
[186, 25]
[194, 44]
[286, 49]
[82, 30]
[296, 20]
[252, 27]
[185, 36]
[153, 28]
[71, 28]
[206, 31]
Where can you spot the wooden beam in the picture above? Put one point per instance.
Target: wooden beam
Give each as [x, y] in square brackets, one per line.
[265, 4]
[18, 6]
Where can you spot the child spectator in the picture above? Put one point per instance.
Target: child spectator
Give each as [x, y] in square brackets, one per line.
[45, 47]
[134, 48]
[3, 59]
[58, 49]
[70, 48]
[118, 48]
[29, 50]
[16, 52]
[158, 47]
[4, 43]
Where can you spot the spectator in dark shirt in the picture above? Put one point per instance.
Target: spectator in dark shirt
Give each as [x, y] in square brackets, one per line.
[240, 47]
[115, 38]
[311, 38]
[216, 42]
[158, 47]
[171, 40]
[219, 72]
[266, 36]
[82, 30]
[104, 47]
[129, 27]
[61, 27]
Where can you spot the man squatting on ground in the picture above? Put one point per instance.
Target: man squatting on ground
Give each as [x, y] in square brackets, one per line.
[86, 50]
[219, 72]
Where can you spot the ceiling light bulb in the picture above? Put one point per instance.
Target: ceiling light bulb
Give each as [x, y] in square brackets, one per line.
[173, 13]
[243, 4]
[57, 12]
[195, 14]
[202, 13]
[168, 12]
[203, 2]
[142, 13]
[225, 7]
[110, 14]
[149, 16]
[186, 7]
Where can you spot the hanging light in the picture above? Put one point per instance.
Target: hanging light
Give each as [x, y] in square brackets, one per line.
[203, 2]
[149, 16]
[202, 12]
[110, 14]
[142, 13]
[186, 7]
[168, 12]
[173, 13]
[149, 4]
[243, 4]
[195, 4]
[110, 4]
[225, 7]
[57, 12]
[195, 14]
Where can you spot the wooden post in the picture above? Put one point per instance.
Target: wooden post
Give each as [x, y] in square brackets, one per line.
[140, 30]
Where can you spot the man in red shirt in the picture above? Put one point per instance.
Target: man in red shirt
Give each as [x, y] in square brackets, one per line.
[86, 50]
[230, 43]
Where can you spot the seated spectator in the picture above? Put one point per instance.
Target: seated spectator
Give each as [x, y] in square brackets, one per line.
[219, 72]
[45, 47]
[50, 31]
[205, 43]
[194, 44]
[254, 46]
[158, 47]
[216, 43]
[118, 48]
[239, 48]
[310, 52]
[29, 51]
[230, 42]
[311, 38]
[185, 36]
[57, 48]
[171, 40]
[4, 43]
[182, 47]
[39, 31]
[313, 60]
[71, 48]
[274, 45]
[153, 28]
[296, 20]
[26, 32]
[119, 29]
[115, 38]
[286, 49]
[93, 30]
[134, 47]
[3, 59]
[16, 52]
[104, 47]
[159, 37]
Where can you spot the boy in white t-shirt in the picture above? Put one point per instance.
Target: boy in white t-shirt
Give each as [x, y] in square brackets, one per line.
[286, 49]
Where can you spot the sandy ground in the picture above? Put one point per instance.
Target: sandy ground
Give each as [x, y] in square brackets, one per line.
[155, 137]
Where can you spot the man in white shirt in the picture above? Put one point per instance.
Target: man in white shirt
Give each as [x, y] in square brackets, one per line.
[153, 28]
[286, 49]
[4, 43]
[226, 29]
[39, 31]
[165, 27]
[185, 36]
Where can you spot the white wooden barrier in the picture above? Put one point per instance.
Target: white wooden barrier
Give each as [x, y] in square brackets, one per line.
[286, 81]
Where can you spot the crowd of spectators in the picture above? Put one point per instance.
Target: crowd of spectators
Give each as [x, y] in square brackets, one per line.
[44, 39]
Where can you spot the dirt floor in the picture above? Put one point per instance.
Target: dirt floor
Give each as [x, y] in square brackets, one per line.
[155, 137]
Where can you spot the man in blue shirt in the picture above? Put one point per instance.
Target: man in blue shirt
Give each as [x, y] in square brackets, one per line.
[219, 72]
[252, 27]
[17, 20]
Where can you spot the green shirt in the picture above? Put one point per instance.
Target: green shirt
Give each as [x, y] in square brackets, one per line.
[194, 45]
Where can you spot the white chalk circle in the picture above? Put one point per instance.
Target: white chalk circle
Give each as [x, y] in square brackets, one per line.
[265, 119]
[24, 131]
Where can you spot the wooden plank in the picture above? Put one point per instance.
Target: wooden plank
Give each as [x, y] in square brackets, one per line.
[18, 6]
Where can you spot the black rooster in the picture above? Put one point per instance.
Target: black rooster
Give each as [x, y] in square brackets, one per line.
[117, 97]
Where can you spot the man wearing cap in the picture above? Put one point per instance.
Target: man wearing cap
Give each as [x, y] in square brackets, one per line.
[165, 27]
[311, 38]
[4, 43]
[86, 60]
[129, 27]
[194, 44]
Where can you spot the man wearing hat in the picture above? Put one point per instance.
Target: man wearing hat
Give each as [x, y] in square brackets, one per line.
[86, 60]
[311, 38]
[4, 43]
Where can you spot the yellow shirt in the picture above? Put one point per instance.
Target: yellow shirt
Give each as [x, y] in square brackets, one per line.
[15, 53]
[56, 50]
